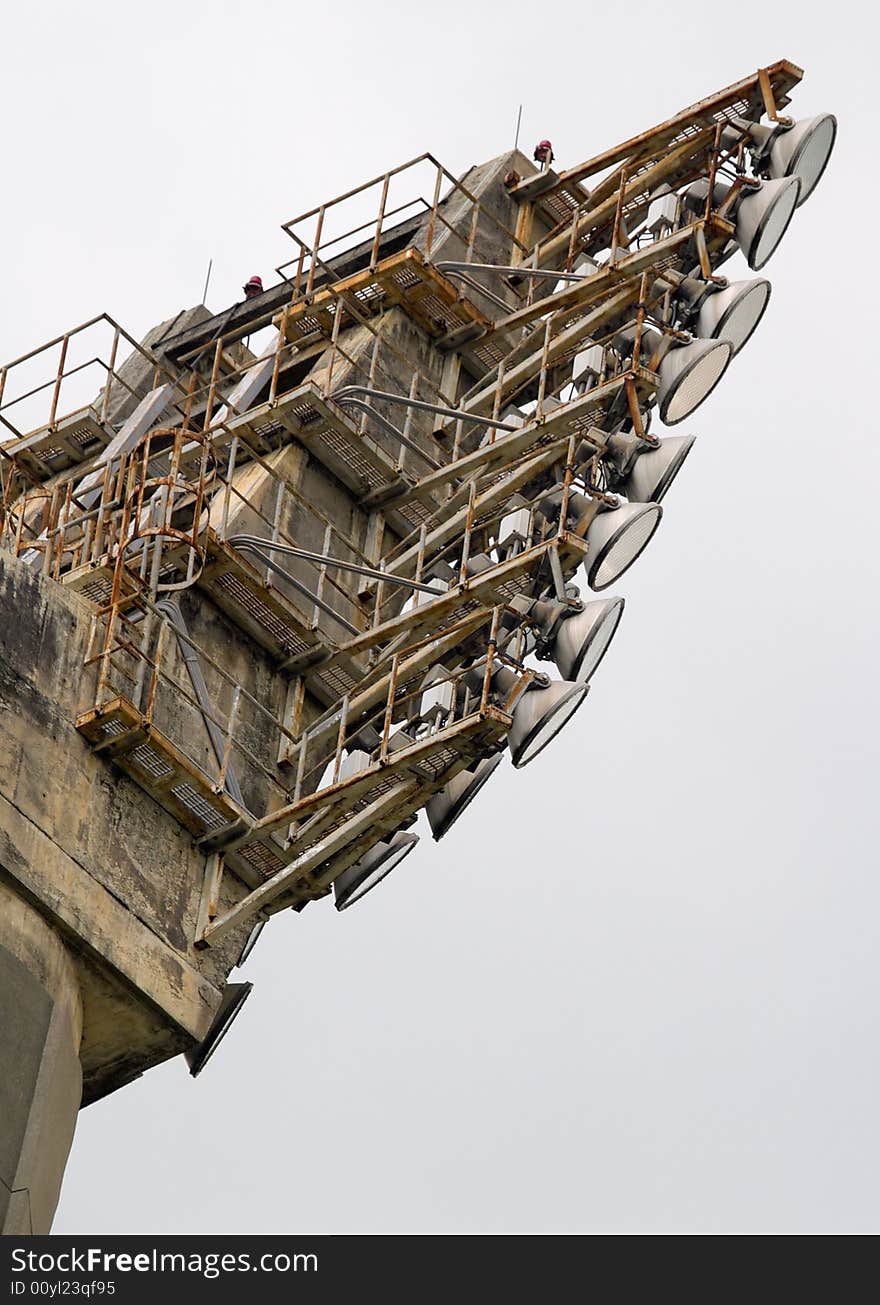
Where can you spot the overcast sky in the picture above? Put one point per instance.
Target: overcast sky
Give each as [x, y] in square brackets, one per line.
[635, 988]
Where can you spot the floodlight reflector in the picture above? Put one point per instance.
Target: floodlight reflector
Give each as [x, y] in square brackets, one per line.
[655, 469]
[445, 807]
[688, 375]
[539, 715]
[616, 538]
[360, 878]
[583, 639]
[762, 218]
[803, 151]
[733, 313]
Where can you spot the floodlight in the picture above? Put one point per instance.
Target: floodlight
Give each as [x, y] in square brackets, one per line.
[539, 715]
[803, 151]
[355, 882]
[583, 638]
[734, 312]
[762, 218]
[654, 470]
[233, 998]
[445, 807]
[688, 375]
[800, 150]
[615, 536]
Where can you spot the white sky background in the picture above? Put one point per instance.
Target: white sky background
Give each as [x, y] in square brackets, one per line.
[634, 990]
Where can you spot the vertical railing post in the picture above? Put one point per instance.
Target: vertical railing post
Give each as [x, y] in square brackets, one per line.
[58, 379]
[389, 706]
[429, 236]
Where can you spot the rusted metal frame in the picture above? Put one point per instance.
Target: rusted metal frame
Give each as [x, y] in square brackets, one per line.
[53, 384]
[618, 215]
[319, 228]
[468, 527]
[340, 741]
[212, 389]
[567, 477]
[314, 856]
[523, 232]
[334, 346]
[769, 98]
[322, 805]
[118, 331]
[282, 344]
[380, 595]
[498, 493]
[59, 376]
[206, 658]
[297, 282]
[111, 368]
[454, 182]
[372, 694]
[429, 238]
[377, 239]
[158, 673]
[261, 548]
[346, 289]
[542, 375]
[351, 401]
[276, 525]
[601, 214]
[463, 190]
[491, 649]
[598, 283]
[523, 372]
[363, 226]
[346, 293]
[355, 190]
[658, 137]
[389, 707]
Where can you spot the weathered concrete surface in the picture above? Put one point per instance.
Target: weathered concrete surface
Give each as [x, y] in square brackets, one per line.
[41, 1021]
[107, 867]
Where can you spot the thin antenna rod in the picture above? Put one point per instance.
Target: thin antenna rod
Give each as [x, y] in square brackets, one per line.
[207, 279]
[518, 121]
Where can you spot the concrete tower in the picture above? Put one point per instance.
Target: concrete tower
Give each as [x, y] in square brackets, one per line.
[273, 581]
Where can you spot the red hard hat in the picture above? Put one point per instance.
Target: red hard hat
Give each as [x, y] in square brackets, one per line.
[256, 281]
[544, 145]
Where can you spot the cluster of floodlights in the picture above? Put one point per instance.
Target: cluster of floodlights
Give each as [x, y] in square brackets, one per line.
[788, 161]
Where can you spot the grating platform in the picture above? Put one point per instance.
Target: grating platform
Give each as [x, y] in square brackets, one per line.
[68, 442]
[122, 733]
[272, 619]
[331, 437]
[403, 280]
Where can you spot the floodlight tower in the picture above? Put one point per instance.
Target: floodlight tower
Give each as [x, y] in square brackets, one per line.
[257, 611]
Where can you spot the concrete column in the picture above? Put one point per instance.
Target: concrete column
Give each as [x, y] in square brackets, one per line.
[40, 1074]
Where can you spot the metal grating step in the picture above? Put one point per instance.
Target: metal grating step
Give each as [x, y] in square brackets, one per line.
[158, 767]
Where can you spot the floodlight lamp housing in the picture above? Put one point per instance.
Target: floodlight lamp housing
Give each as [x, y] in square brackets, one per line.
[365, 874]
[539, 715]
